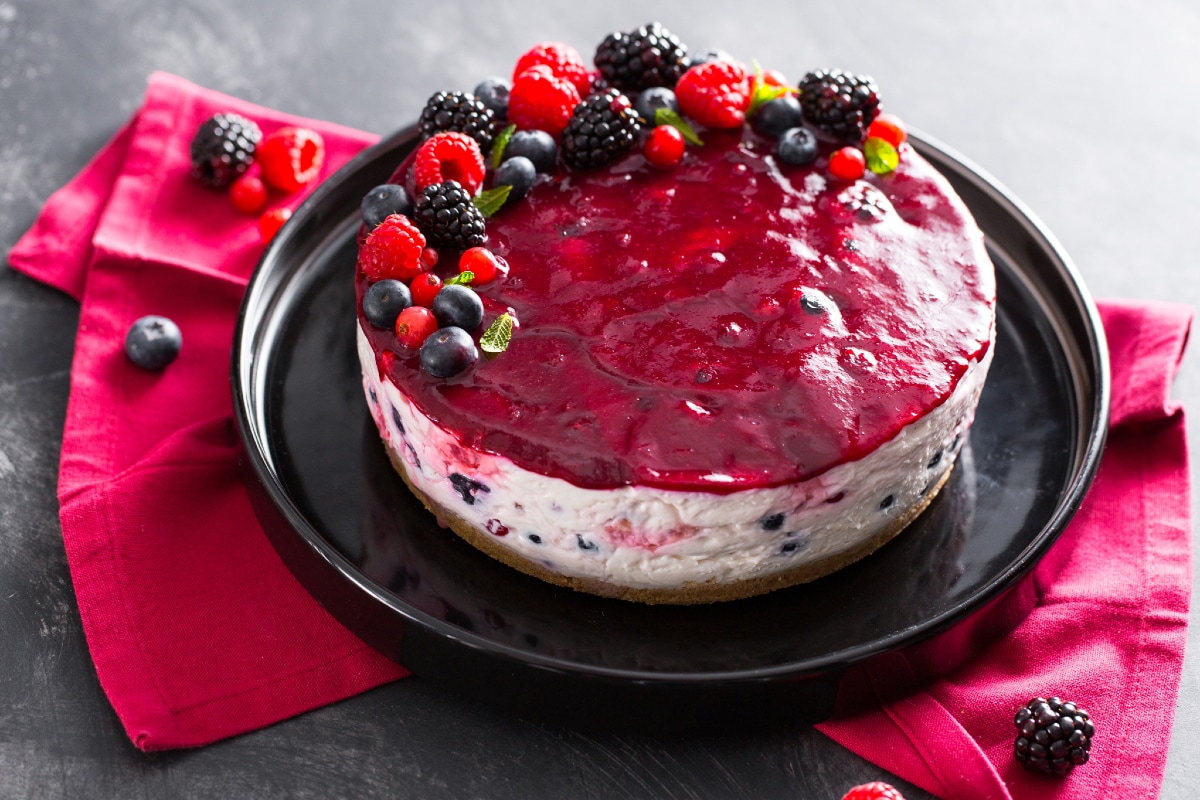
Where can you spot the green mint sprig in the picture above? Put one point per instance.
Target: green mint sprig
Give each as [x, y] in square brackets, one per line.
[881, 156]
[463, 278]
[668, 116]
[490, 201]
[496, 338]
[501, 143]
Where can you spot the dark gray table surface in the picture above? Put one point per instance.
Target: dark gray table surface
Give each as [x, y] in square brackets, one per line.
[1089, 113]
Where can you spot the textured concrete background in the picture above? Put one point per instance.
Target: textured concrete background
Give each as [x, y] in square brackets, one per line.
[1087, 111]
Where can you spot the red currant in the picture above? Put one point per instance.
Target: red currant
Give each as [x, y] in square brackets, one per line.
[849, 164]
[271, 221]
[414, 326]
[664, 146]
[429, 259]
[424, 288]
[483, 264]
[889, 128]
[248, 195]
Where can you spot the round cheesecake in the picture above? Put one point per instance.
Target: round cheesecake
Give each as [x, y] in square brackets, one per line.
[725, 378]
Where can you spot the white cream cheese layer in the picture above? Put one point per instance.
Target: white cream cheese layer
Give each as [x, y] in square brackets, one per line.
[648, 538]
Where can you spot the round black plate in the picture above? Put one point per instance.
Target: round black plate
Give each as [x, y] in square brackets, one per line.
[366, 549]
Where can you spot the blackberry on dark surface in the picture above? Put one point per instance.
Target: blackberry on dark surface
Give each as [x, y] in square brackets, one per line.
[840, 103]
[648, 56]
[445, 214]
[223, 149]
[602, 129]
[461, 113]
[1053, 737]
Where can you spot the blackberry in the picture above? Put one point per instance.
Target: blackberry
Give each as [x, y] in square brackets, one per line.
[445, 214]
[461, 113]
[1052, 736]
[840, 103]
[223, 149]
[601, 129]
[649, 56]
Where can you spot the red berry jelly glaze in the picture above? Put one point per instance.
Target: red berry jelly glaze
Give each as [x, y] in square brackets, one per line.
[735, 323]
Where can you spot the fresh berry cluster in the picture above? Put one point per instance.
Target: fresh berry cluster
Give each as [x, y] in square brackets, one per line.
[491, 148]
[229, 152]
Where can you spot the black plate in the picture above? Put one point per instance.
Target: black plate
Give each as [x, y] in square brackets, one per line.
[346, 526]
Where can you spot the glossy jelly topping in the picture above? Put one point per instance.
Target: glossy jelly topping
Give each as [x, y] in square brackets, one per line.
[732, 323]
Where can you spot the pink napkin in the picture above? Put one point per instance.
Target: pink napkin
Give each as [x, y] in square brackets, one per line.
[198, 632]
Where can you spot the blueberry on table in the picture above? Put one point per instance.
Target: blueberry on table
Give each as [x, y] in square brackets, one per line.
[797, 146]
[448, 352]
[153, 342]
[537, 146]
[458, 306]
[778, 115]
[517, 172]
[383, 201]
[384, 301]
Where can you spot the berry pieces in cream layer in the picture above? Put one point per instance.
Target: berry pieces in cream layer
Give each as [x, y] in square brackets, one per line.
[670, 329]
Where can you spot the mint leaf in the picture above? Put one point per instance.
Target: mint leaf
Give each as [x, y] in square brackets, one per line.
[882, 158]
[667, 116]
[464, 278]
[495, 339]
[763, 92]
[492, 200]
[501, 143]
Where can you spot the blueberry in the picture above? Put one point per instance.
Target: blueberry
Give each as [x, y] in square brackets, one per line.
[382, 201]
[887, 502]
[448, 352]
[653, 99]
[467, 487]
[153, 342]
[772, 522]
[711, 55]
[584, 544]
[384, 301]
[776, 116]
[813, 303]
[493, 93]
[537, 146]
[797, 146]
[396, 419]
[517, 172]
[457, 306]
[535, 538]
[937, 459]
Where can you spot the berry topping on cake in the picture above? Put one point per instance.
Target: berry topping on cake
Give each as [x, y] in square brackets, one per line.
[602, 129]
[248, 194]
[223, 148]
[517, 172]
[392, 250]
[840, 103]
[1053, 737]
[483, 264]
[664, 146]
[291, 158]
[458, 112]
[715, 94]
[493, 93]
[537, 146]
[414, 325]
[425, 288]
[448, 351]
[382, 201]
[540, 100]
[847, 163]
[384, 301]
[797, 146]
[776, 116]
[639, 59]
[153, 342]
[449, 156]
[563, 60]
[650, 101]
[875, 790]
[446, 216]
[458, 306]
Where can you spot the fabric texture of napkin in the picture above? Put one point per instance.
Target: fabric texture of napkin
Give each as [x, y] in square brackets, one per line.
[199, 632]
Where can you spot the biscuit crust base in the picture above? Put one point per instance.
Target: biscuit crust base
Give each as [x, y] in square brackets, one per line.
[689, 593]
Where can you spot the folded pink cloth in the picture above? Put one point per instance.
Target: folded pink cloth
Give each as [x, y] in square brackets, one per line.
[199, 632]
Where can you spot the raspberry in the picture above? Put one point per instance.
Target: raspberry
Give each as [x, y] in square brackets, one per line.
[392, 250]
[271, 221]
[715, 94]
[248, 195]
[483, 264]
[664, 146]
[876, 790]
[291, 158]
[414, 325]
[424, 288]
[847, 163]
[540, 101]
[450, 156]
[223, 148]
[564, 62]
